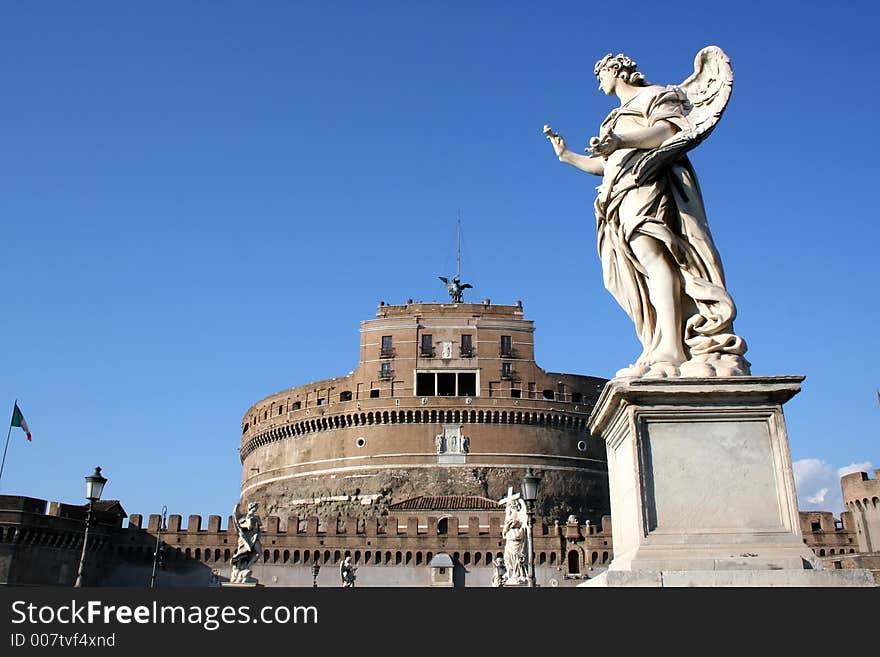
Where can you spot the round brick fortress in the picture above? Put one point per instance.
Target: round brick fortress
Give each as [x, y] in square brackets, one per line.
[447, 400]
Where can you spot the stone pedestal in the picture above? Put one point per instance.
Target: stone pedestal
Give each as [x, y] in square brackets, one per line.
[702, 489]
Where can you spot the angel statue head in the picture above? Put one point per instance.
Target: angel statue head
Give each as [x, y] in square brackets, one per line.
[622, 67]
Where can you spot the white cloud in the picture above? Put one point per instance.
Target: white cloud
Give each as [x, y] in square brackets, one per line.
[819, 497]
[864, 466]
[818, 486]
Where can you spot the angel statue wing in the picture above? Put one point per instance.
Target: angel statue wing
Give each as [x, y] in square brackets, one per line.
[704, 97]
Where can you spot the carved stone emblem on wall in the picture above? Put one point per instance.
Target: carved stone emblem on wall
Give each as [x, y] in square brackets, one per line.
[446, 350]
[451, 444]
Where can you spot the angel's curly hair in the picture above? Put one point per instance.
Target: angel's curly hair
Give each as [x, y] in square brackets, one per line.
[623, 67]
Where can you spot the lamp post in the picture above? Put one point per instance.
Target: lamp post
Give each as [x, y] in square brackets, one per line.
[157, 555]
[315, 570]
[529, 490]
[94, 487]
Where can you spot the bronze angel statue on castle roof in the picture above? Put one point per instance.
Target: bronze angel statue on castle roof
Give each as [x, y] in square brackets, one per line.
[658, 257]
[455, 287]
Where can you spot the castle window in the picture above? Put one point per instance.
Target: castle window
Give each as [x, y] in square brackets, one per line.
[280, 410]
[506, 346]
[506, 370]
[531, 390]
[345, 395]
[374, 393]
[387, 349]
[446, 384]
[427, 349]
[515, 393]
[467, 346]
[816, 526]
[385, 371]
[425, 384]
[577, 397]
[467, 384]
[296, 406]
[548, 394]
[321, 401]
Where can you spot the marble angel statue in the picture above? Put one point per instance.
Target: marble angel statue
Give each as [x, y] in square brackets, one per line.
[249, 548]
[658, 257]
[347, 572]
[514, 533]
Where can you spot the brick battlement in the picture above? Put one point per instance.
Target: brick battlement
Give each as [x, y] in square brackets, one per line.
[857, 486]
[407, 526]
[486, 308]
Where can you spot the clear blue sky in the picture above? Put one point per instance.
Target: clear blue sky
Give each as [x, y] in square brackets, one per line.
[200, 201]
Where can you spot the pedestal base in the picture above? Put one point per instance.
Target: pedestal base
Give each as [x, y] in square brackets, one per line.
[702, 489]
[732, 578]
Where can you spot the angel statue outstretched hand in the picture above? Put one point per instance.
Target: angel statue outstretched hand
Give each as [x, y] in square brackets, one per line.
[658, 258]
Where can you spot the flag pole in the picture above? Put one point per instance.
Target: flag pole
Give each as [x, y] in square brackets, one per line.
[8, 433]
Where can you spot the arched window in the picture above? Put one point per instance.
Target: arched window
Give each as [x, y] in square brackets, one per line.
[443, 526]
[574, 563]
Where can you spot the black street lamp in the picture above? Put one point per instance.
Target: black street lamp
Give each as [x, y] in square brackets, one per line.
[159, 553]
[529, 490]
[315, 570]
[94, 487]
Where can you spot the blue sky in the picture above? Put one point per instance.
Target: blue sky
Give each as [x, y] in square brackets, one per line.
[200, 201]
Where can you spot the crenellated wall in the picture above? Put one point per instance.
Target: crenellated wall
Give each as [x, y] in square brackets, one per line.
[39, 548]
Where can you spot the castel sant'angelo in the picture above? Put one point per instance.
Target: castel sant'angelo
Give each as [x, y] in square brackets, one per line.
[447, 400]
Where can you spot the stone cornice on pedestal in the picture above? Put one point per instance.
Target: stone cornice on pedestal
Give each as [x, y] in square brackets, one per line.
[734, 391]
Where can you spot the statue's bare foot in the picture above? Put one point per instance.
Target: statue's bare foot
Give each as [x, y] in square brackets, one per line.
[662, 370]
[633, 371]
[697, 369]
[732, 365]
[716, 365]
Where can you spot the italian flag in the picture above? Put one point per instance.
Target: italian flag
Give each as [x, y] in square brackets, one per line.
[19, 421]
